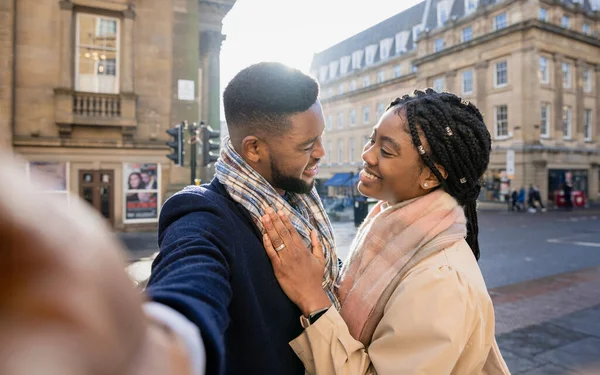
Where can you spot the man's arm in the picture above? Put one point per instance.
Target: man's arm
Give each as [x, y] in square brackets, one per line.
[191, 272]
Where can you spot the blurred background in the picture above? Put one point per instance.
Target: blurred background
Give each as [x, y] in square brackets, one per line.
[119, 103]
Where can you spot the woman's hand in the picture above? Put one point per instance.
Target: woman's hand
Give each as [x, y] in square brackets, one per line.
[299, 272]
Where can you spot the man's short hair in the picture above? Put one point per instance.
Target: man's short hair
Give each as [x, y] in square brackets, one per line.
[262, 97]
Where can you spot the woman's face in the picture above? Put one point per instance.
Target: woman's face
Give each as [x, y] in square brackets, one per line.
[134, 181]
[392, 168]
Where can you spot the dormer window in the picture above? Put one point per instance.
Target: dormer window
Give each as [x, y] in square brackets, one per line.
[357, 59]
[323, 73]
[385, 47]
[442, 13]
[401, 40]
[371, 50]
[416, 31]
[595, 4]
[345, 64]
[470, 6]
[438, 45]
[333, 69]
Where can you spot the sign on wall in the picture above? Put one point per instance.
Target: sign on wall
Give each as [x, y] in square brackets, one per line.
[141, 190]
[510, 163]
[186, 90]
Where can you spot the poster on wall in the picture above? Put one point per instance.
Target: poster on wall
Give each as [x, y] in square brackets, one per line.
[51, 175]
[141, 191]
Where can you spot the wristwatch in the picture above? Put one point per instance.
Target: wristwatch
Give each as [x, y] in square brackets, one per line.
[306, 321]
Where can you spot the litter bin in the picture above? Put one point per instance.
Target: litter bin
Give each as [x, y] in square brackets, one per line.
[361, 210]
[578, 198]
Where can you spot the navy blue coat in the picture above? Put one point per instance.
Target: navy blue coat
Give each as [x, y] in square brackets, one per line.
[213, 269]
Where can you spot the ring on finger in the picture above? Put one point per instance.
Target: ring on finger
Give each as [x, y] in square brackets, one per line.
[280, 247]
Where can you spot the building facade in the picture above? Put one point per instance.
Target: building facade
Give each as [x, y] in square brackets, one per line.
[89, 88]
[531, 66]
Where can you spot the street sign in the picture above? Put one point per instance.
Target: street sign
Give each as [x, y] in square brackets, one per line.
[510, 163]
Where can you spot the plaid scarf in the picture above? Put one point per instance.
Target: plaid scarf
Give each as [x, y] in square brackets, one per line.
[252, 191]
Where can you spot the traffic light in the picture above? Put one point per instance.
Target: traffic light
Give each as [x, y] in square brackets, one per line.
[176, 144]
[207, 135]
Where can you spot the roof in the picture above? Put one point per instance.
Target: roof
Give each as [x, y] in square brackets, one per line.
[405, 20]
[339, 179]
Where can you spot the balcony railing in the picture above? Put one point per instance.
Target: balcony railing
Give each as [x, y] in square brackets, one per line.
[96, 105]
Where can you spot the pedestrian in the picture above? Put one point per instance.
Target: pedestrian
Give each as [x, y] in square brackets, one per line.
[521, 198]
[514, 199]
[413, 299]
[531, 199]
[567, 191]
[537, 197]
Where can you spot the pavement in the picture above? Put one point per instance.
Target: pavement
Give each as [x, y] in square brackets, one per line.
[543, 274]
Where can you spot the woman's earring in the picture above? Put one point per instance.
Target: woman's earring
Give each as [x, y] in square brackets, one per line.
[425, 185]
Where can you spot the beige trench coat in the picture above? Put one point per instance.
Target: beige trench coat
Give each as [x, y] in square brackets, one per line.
[438, 321]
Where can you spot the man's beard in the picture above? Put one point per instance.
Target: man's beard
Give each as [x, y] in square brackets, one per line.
[289, 183]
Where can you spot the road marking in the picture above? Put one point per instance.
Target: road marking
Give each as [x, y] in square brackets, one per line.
[576, 243]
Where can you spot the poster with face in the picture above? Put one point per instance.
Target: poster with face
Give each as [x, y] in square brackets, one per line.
[51, 175]
[141, 191]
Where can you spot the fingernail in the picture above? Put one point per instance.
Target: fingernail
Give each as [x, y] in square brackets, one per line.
[267, 218]
[281, 212]
[270, 210]
[279, 206]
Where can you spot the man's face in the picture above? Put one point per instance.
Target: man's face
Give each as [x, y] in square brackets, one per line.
[145, 177]
[294, 156]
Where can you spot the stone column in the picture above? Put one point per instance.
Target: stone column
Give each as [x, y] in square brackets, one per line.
[557, 104]
[127, 54]
[210, 50]
[579, 135]
[451, 82]
[596, 113]
[531, 116]
[481, 75]
[67, 41]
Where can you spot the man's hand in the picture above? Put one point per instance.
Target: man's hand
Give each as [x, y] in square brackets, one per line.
[66, 305]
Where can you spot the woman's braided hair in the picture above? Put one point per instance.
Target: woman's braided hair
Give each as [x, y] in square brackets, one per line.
[458, 140]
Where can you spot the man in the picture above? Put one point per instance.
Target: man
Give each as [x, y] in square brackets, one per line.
[212, 269]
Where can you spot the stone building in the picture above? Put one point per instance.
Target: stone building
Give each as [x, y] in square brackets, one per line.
[89, 87]
[531, 66]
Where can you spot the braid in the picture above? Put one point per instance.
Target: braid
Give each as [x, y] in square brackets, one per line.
[457, 139]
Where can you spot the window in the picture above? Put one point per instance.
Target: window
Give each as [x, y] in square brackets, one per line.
[500, 21]
[328, 152]
[544, 73]
[416, 30]
[438, 84]
[566, 69]
[545, 123]
[366, 114]
[587, 80]
[501, 121]
[333, 69]
[414, 69]
[323, 73]
[567, 119]
[401, 39]
[353, 85]
[353, 117]
[340, 120]
[587, 124]
[380, 110]
[467, 34]
[366, 81]
[345, 64]
[543, 16]
[340, 89]
[587, 29]
[329, 122]
[565, 22]
[438, 45]
[357, 59]
[380, 76]
[501, 76]
[97, 55]
[371, 50]
[340, 151]
[595, 4]
[470, 6]
[52, 176]
[385, 46]
[467, 86]
[397, 71]
[351, 150]
[442, 13]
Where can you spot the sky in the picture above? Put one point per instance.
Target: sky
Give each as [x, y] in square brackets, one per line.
[291, 31]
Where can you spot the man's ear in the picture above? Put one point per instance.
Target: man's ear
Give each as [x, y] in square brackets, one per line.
[252, 149]
[429, 180]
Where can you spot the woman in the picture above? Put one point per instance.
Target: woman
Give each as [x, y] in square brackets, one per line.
[413, 300]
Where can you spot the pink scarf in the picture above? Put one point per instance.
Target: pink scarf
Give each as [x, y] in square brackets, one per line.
[388, 244]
